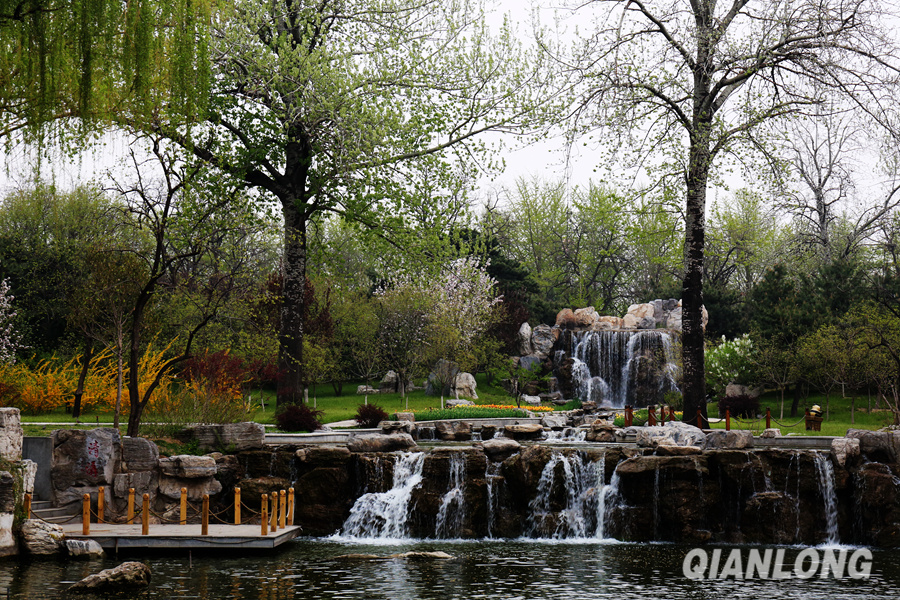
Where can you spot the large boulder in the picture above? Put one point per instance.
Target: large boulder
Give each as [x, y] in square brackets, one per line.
[391, 427]
[464, 386]
[440, 380]
[139, 454]
[127, 578]
[608, 322]
[525, 431]
[227, 437]
[524, 338]
[728, 440]
[877, 446]
[84, 549]
[673, 433]
[10, 434]
[555, 422]
[83, 460]
[381, 443]
[143, 482]
[390, 384]
[565, 319]
[641, 311]
[585, 317]
[42, 538]
[542, 339]
[630, 321]
[187, 466]
[196, 488]
[844, 449]
[499, 449]
[450, 431]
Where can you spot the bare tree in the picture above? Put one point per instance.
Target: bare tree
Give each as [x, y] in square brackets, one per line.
[684, 83]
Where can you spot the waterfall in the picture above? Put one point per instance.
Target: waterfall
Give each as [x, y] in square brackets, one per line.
[615, 368]
[383, 514]
[569, 435]
[452, 510]
[825, 471]
[491, 474]
[571, 503]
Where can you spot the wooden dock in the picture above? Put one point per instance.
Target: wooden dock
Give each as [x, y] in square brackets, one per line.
[221, 537]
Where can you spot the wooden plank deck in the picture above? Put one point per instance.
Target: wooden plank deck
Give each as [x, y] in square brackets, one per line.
[221, 537]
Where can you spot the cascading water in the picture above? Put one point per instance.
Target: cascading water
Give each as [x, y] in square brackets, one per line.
[582, 508]
[452, 510]
[615, 368]
[383, 514]
[491, 476]
[825, 471]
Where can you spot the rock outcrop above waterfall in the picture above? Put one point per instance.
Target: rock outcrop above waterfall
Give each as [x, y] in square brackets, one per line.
[658, 314]
[381, 443]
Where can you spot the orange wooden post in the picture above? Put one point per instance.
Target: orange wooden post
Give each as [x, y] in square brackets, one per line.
[27, 506]
[727, 420]
[237, 506]
[629, 416]
[264, 503]
[651, 416]
[274, 516]
[204, 523]
[282, 509]
[672, 415]
[290, 515]
[768, 418]
[183, 519]
[101, 501]
[145, 515]
[130, 506]
[86, 514]
[662, 414]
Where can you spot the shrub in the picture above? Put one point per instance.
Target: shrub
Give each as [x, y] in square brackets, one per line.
[370, 415]
[298, 417]
[674, 399]
[739, 406]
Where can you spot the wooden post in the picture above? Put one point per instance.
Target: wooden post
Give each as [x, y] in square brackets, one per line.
[264, 503]
[145, 515]
[274, 516]
[629, 416]
[183, 519]
[86, 514]
[672, 415]
[101, 501]
[290, 515]
[651, 416]
[727, 420]
[204, 523]
[282, 509]
[131, 506]
[237, 506]
[699, 418]
[27, 506]
[768, 418]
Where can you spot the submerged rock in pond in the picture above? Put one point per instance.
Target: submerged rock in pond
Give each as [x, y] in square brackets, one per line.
[127, 577]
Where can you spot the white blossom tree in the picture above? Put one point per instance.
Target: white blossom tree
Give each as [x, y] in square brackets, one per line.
[9, 337]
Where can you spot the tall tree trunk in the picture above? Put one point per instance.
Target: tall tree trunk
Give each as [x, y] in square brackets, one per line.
[120, 370]
[290, 337]
[85, 367]
[692, 290]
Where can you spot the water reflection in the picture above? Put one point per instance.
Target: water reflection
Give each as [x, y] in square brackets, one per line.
[508, 570]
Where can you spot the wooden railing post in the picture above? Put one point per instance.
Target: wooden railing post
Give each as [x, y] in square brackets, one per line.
[282, 509]
[768, 418]
[101, 501]
[86, 514]
[204, 523]
[264, 521]
[727, 420]
[274, 516]
[237, 506]
[27, 506]
[131, 506]
[145, 515]
[629, 416]
[183, 516]
[651, 416]
[290, 515]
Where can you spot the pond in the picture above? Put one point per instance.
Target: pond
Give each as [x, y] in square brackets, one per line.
[496, 569]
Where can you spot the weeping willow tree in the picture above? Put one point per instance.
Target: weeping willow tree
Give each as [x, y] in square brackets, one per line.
[85, 61]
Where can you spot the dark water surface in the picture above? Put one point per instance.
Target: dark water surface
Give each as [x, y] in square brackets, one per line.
[515, 569]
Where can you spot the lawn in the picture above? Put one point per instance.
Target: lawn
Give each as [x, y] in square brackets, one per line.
[836, 423]
[343, 407]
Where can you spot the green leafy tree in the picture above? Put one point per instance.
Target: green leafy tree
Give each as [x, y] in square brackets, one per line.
[335, 106]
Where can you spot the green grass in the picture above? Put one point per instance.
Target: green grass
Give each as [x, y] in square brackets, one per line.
[468, 412]
[836, 423]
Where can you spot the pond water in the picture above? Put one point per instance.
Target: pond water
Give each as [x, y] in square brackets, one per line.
[495, 569]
